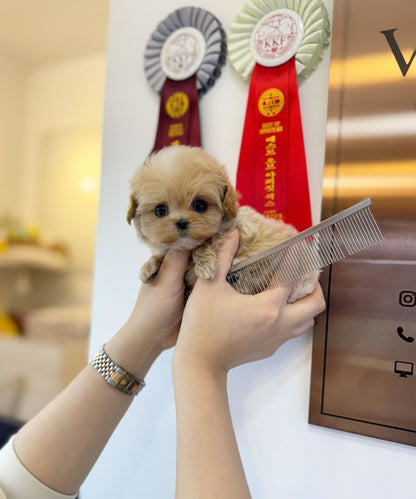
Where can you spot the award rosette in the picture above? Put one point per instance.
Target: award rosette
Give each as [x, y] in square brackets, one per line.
[270, 43]
[183, 58]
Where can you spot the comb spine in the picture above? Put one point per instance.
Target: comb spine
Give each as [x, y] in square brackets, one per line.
[298, 237]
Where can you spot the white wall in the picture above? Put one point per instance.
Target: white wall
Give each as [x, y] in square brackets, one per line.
[61, 97]
[282, 454]
[50, 139]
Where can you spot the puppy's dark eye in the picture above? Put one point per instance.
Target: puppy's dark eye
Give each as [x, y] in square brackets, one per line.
[199, 205]
[161, 210]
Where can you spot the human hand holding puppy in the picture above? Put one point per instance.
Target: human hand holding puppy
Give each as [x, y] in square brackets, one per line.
[154, 322]
[57, 446]
[222, 329]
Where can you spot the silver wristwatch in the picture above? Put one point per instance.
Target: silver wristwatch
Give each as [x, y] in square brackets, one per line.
[115, 375]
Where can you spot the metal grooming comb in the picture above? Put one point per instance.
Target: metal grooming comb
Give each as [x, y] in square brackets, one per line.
[330, 241]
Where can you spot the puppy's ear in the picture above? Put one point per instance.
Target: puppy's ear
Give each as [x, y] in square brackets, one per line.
[230, 201]
[132, 209]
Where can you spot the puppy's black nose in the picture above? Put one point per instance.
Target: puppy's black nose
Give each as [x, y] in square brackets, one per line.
[182, 224]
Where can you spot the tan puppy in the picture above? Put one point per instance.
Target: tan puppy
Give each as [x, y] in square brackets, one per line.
[182, 198]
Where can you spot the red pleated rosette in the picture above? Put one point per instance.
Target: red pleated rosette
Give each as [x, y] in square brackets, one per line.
[271, 41]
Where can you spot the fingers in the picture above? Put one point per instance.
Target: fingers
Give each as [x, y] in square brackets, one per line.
[226, 255]
[315, 301]
[281, 293]
[300, 329]
[173, 267]
[308, 307]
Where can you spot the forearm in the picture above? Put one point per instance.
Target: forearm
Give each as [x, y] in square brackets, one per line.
[60, 445]
[208, 460]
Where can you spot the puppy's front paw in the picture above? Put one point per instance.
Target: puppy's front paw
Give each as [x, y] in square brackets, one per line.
[205, 264]
[151, 268]
[304, 286]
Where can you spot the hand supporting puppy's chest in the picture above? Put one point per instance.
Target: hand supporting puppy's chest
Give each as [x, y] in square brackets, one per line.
[204, 261]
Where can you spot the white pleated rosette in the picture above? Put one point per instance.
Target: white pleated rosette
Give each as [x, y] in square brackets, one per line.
[316, 35]
[186, 21]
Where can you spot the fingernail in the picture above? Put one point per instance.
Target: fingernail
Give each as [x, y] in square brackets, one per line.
[233, 232]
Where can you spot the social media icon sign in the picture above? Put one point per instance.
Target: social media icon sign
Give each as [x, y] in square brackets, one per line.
[407, 299]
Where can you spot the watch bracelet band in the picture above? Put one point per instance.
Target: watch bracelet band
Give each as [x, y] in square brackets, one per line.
[115, 375]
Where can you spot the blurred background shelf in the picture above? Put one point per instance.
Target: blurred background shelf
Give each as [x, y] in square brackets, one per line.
[33, 257]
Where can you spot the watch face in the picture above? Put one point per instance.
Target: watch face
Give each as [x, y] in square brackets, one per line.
[124, 384]
[182, 53]
[119, 379]
[277, 37]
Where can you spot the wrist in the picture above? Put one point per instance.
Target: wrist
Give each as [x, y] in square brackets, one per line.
[187, 366]
[133, 352]
[115, 375]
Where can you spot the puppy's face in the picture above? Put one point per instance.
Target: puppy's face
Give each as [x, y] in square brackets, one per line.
[181, 197]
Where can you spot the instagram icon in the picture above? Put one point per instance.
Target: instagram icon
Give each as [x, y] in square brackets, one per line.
[407, 299]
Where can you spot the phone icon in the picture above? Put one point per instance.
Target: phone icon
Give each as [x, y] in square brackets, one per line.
[400, 332]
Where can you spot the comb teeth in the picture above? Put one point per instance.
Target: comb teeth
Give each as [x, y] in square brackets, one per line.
[338, 237]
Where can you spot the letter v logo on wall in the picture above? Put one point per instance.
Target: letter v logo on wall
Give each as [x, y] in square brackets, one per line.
[391, 40]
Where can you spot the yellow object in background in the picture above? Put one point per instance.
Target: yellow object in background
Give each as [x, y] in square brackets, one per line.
[7, 325]
[3, 239]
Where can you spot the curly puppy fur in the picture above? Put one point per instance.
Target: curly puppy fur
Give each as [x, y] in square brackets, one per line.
[181, 198]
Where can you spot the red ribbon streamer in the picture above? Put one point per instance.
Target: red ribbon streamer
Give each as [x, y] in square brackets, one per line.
[178, 115]
[272, 175]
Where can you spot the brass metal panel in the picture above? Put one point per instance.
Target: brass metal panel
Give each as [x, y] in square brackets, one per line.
[364, 348]
[371, 146]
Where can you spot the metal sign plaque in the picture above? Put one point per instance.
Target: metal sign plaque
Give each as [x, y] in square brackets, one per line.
[364, 348]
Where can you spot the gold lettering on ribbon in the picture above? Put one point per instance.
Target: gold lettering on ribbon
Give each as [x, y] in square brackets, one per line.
[270, 167]
[176, 106]
[271, 127]
[270, 104]
[176, 130]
